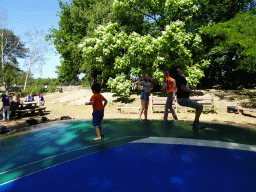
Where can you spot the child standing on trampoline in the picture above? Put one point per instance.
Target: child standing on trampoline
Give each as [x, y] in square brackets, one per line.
[98, 109]
[146, 83]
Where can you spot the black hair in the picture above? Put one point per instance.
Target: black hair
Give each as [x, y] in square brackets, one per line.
[173, 72]
[96, 87]
[3, 95]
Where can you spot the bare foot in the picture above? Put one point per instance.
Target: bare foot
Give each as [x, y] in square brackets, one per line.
[140, 119]
[97, 138]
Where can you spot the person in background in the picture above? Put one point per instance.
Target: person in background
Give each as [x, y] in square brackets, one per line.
[170, 87]
[10, 97]
[16, 101]
[6, 107]
[41, 99]
[31, 97]
[183, 95]
[146, 83]
[98, 109]
[26, 98]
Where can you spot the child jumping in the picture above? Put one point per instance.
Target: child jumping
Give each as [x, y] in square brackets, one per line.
[98, 109]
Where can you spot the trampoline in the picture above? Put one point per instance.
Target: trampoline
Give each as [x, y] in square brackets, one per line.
[153, 155]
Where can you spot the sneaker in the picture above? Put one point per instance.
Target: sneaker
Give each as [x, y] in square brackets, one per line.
[198, 126]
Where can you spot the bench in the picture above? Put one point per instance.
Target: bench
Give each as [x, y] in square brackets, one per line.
[161, 101]
[206, 101]
[119, 108]
[23, 111]
[241, 110]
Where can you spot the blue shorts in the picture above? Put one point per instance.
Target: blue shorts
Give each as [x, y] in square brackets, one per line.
[144, 95]
[97, 117]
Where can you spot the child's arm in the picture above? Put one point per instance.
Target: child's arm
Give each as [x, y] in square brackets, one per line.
[139, 82]
[105, 103]
[175, 87]
[89, 103]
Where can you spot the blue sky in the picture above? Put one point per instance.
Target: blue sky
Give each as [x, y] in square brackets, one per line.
[29, 15]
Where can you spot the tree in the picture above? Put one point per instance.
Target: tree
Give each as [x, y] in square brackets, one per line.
[231, 51]
[241, 30]
[142, 54]
[78, 20]
[11, 74]
[195, 14]
[11, 48]
[37, 52]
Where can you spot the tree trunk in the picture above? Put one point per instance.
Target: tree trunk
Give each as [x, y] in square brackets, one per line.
[2, 60]
[28, 73]
[26, 81]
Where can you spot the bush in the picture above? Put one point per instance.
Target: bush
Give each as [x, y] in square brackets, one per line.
[34, 90]
[120, 85]
[86, 84]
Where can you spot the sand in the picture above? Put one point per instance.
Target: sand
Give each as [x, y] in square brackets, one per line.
[72, 104]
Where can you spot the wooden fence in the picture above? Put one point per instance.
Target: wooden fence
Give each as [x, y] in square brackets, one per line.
[71, 88]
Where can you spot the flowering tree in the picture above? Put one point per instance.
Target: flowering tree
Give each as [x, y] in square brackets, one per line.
[142, 54]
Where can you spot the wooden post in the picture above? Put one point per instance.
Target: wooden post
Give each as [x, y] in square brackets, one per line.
[151, 102]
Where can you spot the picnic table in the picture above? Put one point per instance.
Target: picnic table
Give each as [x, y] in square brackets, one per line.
[31, 107]
[32, 103]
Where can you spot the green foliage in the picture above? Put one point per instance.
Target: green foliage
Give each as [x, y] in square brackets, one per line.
[78, 20]
[52, 87]
[120, 85]
[86, 84]
[33, 90]
[13, 49]
[240, 30]
[147, 20]
[65, 39]
[142, 54]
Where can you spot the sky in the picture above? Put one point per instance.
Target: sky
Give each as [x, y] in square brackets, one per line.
[31, 15]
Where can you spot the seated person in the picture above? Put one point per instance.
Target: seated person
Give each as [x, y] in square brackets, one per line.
[26, 98]
[41, 99]
[16, 102]
[31, 97]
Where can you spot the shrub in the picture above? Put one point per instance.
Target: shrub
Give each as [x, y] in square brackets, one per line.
[120, 85]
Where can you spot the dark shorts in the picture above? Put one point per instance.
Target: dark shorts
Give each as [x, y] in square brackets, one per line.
[97, 117]
[144, 95]
[186, 102]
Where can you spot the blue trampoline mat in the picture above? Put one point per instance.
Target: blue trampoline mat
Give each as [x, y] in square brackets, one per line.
[147, 167]
[133, 156]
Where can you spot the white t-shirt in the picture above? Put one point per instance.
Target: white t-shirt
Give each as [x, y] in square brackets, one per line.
[146, 86]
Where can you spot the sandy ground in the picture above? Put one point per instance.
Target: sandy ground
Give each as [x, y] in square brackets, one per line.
[72, 104]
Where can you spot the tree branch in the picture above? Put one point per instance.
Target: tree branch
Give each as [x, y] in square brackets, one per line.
[150, 17]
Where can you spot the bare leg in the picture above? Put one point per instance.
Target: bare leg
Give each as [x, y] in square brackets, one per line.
[101, 133]
[98, 134]
[198, 112]
[142, 107]
[146, 109]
